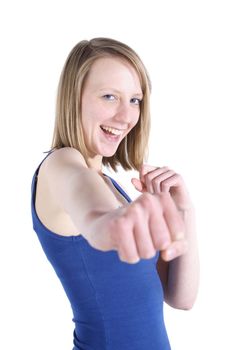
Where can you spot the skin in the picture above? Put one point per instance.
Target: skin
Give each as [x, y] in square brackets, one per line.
[178, 265]
[160, 219]
[111, 97]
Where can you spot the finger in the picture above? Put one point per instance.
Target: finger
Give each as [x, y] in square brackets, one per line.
[145, 169]
[137, 184]
[151, 179]
[172, 217]
[176, 249]
[127, 249]
[125, 259]
[174, 180]
[158, 228]
[160, 179]
[143, 239]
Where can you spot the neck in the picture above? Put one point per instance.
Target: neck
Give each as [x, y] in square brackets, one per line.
[95, 164]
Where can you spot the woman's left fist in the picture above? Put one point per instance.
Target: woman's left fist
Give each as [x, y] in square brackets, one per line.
[156, 180]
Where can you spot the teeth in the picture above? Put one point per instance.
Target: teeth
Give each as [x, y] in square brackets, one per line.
[112, 130]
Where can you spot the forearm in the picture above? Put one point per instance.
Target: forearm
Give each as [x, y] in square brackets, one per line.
[183, 272]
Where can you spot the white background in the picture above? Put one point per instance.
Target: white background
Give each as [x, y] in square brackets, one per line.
[187, 47]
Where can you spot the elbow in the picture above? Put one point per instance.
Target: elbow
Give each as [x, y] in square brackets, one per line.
[184, 305]
[181, 306]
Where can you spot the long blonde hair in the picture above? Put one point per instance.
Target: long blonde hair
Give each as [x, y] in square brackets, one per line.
[68, 131]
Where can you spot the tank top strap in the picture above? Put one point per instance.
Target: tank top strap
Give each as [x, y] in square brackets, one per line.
[48, 153]
[37, 170]
[118, 187]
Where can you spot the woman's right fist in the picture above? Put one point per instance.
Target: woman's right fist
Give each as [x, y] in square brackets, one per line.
[137, 230]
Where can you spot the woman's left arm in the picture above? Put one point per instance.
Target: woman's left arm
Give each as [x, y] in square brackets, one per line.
[180, 276]
[179, 273]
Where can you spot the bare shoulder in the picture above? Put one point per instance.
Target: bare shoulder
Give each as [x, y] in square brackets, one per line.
[62, 158]
[59, 171]
[70, 193]
[51, 189]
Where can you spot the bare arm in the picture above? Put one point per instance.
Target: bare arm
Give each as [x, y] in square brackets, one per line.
[179, 271]
[133, 229]
[77, 189]
[180, 277]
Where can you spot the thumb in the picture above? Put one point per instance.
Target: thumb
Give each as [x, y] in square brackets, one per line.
[137, 184]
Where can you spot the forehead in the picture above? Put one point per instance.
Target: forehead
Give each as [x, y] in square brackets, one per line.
[113, 72]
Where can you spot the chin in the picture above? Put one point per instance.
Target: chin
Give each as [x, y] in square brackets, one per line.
[108, 154]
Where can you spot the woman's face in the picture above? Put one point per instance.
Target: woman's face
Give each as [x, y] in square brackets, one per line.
[110, 105]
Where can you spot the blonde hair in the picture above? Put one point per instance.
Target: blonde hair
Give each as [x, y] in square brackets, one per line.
[68, 131]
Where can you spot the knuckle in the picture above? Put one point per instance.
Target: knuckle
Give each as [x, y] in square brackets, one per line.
[118, 224]
[132, 215]
[156, 184]
[150, 176]
[155, 180]
[164, 185]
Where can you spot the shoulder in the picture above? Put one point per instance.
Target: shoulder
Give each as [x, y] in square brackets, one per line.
[65, 156]
[60, 166]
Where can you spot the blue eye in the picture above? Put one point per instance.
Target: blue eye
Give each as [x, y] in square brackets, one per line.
[136, 101]
[109, 97]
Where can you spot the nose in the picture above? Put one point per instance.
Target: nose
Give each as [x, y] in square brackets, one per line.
[125, 113]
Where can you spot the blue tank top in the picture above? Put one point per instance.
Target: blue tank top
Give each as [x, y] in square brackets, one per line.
[116, 305]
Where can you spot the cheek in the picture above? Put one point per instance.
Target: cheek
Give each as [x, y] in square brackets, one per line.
[92, 110]
[99, 113]
[91, 116]
[135, 118]
[134, 121]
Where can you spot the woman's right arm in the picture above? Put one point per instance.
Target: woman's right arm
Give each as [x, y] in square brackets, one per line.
[136, 230]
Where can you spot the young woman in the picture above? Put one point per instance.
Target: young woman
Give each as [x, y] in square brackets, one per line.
[117, 259]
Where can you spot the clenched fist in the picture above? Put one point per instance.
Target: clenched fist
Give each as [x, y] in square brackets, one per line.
[137, 230]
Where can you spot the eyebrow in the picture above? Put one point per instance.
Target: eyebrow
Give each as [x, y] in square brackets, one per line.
[138, 94]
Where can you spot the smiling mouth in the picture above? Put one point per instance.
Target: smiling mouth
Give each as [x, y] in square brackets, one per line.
[111, 131]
